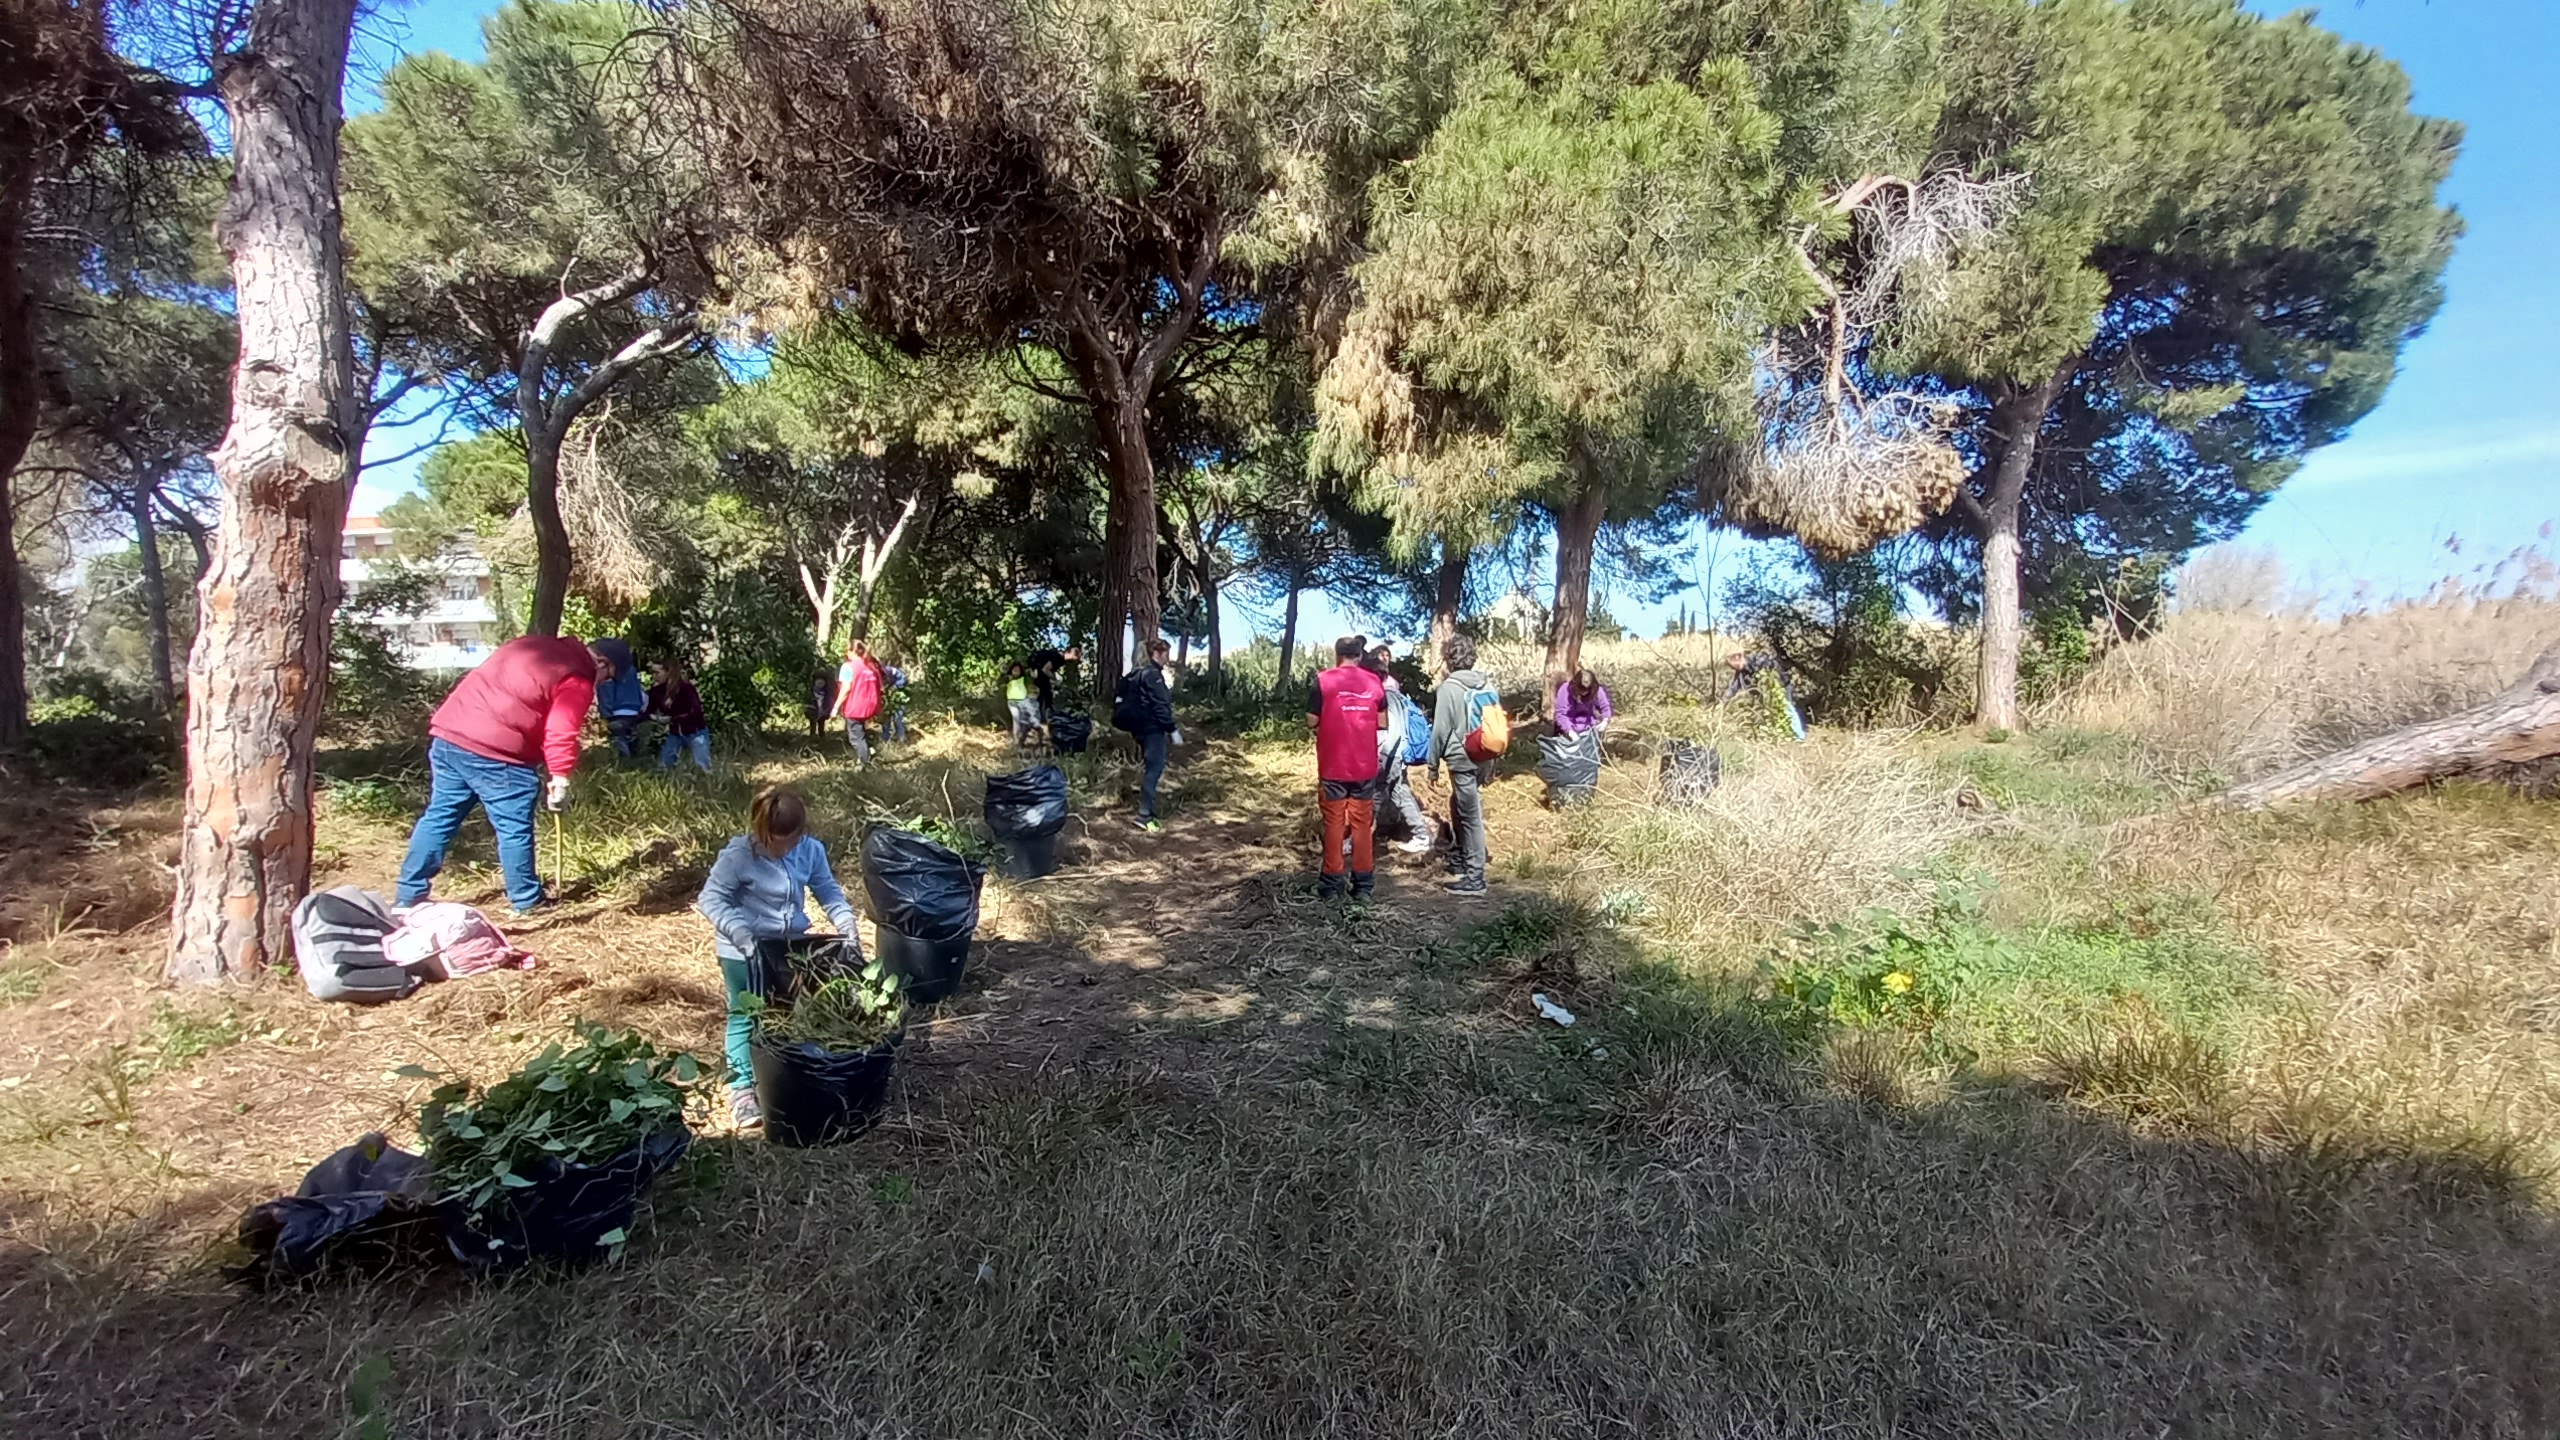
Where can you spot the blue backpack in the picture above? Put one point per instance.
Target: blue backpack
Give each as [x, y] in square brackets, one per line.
[1417, 734]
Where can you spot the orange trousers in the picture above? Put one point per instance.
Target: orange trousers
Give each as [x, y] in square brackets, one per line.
[1358, 820]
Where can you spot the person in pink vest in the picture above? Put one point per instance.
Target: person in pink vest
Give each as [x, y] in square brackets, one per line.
[515, 717]
[859, 688]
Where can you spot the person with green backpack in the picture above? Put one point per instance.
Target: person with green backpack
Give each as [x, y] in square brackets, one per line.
[1469, 731]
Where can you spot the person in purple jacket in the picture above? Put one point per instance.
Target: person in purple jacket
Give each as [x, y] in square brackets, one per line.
[1582, 704]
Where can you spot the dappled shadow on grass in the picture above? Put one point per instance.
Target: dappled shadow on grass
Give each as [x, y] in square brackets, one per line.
[1660, 1221]
[1194, 1153]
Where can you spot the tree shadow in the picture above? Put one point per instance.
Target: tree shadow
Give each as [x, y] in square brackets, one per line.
[1228, 1150]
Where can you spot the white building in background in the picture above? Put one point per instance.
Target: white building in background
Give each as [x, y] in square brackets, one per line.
[458, 628]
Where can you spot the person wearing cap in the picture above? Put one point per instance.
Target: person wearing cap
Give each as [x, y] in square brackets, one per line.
[511, 719]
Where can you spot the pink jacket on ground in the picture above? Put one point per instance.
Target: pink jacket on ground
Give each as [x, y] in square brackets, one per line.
[524, 705]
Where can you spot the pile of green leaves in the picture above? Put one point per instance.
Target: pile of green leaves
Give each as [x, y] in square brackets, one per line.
[845, 1013]
[582, 1105]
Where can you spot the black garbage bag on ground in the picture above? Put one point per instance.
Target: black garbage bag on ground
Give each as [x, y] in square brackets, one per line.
[1570, 764]
[926, 900]
[1027, 804]
[920, 889]
[1070, 731]
[365, 1206]
[568, 1211]
[1690, 772]
[815, 1096]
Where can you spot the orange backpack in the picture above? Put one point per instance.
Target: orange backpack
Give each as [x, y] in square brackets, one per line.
[1491, 733]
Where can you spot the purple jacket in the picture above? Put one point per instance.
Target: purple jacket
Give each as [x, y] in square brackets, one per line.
[1574, 717]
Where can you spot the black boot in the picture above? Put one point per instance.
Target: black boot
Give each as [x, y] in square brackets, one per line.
[1364, 884]
[1328, 887]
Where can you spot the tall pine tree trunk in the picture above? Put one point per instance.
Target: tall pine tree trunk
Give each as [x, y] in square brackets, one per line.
[1288, 639]
[2016, 420]
[20, 376]
[1131, 604]
[1577, 536]
[1209, 584]
[155, 603]
[550, 532]
[259, 670]
[1448, 596]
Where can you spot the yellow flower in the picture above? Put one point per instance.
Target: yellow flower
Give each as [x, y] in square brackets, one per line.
[1899, 982]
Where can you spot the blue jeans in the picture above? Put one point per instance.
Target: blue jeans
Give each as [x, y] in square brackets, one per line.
[460, 781]
[1153, 747]
[624, 730]
[698, 742]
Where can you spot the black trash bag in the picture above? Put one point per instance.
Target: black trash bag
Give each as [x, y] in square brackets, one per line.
[1570, 764]
[366, 1206]
[815, 1096]
[568, 1210]
[929, 970]
[1070, 731]
[1027, 804]
[1690, 772]
[918, 888]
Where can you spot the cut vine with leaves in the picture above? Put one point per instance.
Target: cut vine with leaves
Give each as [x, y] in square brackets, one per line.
[579, 1106]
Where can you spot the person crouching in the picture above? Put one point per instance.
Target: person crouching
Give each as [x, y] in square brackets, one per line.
[753, 895]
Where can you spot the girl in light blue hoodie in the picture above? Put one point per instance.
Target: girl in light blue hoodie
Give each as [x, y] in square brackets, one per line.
[754, 894]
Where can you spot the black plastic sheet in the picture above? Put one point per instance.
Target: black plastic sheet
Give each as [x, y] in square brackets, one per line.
[1689, 773]
[354, 1208]
[1570, 764]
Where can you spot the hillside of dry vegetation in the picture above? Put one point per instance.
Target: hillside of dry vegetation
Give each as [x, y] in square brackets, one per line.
[1921, 1085]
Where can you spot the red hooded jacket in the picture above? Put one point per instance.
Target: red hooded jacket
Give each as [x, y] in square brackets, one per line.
[524, 705]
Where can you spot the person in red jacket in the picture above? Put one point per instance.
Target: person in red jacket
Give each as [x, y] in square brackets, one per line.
[860, 687]
[490, 742]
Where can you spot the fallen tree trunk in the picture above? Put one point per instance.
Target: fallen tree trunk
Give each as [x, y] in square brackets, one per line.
[2520, 726]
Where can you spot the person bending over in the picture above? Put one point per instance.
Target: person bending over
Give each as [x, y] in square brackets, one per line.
[488, 744]
[754, 894]
[674, 697]
[1582, 704]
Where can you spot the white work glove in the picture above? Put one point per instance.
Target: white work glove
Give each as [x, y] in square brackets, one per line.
[1177, 734]
[556, 795]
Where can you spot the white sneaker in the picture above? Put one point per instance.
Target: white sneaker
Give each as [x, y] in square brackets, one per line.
[1417, 845]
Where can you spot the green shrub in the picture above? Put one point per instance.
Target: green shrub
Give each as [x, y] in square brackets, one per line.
[81, 738]
[1882, 970]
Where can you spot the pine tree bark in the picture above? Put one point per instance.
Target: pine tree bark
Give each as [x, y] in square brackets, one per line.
[258, 672]
[1209, 587]
[20, 405]
[2017, 418]
[1577, 536]
[1449, 596]
[2519, 727]
[1132, 607]
[155, 601]
[1288, 639]
[545, 418]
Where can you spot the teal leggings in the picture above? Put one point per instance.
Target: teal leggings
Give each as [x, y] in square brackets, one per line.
[742, 976]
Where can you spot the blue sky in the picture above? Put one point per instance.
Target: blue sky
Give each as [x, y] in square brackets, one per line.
[2458, 467]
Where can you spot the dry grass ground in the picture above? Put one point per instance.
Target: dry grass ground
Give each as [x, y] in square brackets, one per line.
[2178, 1124]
